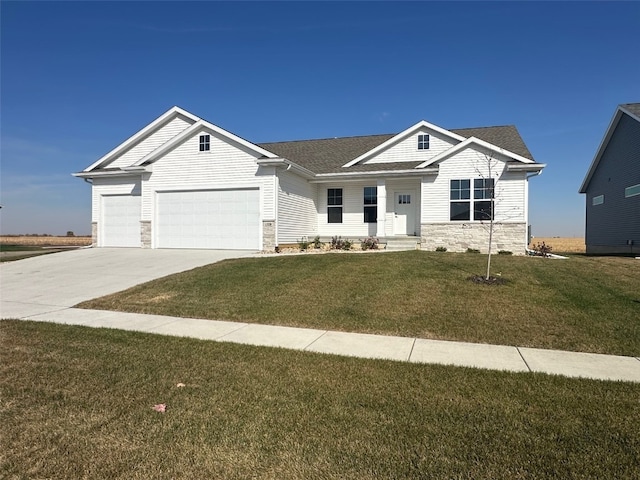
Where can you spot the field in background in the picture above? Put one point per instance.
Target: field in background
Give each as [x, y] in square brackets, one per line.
[44, 241]
[561, 244]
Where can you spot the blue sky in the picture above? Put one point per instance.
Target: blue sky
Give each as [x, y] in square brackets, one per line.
[78, 78]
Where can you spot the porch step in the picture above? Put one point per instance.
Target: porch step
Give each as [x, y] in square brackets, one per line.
[400, 244]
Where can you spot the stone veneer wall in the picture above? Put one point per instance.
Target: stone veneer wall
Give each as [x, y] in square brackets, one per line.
[458, 237]
[268, 235]
[94, 234]
[145, 233]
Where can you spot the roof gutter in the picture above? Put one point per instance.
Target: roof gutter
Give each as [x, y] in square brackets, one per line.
[332, 177]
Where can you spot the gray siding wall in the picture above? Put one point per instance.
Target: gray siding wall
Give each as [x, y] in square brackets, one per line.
[617, 220]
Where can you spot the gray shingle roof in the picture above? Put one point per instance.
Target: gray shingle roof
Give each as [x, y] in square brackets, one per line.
[632, 107]
[329, 154]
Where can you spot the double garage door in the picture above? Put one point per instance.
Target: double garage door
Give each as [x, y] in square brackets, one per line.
[227, 219]
[224, 219]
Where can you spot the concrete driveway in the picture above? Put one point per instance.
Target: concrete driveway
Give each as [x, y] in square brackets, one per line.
[60, 280]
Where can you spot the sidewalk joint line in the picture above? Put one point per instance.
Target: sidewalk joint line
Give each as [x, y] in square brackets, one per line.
[413, 344]
[314, 341]
[522, 357]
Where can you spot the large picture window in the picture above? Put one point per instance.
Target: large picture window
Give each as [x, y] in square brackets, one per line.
[462, 204]
[334, 205]
[370, 204]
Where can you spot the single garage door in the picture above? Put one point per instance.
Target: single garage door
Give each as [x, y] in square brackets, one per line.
[225, 219]
[120, 221]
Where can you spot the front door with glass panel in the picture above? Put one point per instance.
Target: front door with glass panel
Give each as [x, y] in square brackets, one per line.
[404, 217]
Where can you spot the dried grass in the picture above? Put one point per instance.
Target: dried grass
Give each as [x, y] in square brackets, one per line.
[561, 244]
[48, 241]
[77, 403]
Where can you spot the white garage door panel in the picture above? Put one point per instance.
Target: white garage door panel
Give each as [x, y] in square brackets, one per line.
[209, 219]
[120, 221]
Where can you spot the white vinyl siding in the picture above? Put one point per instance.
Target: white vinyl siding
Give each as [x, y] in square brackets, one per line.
[152, 142]
[407, 150]
[297, 212]
[353, 225]
[120, 225]
[225, 166]
[510, 188]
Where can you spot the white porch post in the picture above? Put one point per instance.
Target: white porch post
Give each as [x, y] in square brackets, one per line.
[382, 207]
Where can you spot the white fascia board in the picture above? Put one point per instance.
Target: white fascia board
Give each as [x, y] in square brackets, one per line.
[110, 173]
[603, 144]
[353, 176]
[174, 111]
[401, 136]
[282, 162]
[481, 143]
[519, 167]
[192, 130]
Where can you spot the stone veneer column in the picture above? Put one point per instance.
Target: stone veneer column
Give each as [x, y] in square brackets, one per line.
[94, 234]
[459, 236]
[269, 235]
[145, 233]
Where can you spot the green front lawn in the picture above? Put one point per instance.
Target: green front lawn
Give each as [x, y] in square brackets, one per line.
[76, 402]
[589, 304]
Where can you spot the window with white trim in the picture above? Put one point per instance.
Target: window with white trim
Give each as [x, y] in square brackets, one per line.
[599, 200]
[423, 142]
[205, 143]
[632, 191]
[334, 205]
[483, 198]
[461, 203]
[370, 204]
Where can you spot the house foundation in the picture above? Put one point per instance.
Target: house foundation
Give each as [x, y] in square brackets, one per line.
[458, 237]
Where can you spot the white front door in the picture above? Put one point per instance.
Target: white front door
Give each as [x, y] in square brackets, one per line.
[404, 214]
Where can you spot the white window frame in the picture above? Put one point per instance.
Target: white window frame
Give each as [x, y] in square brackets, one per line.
[597, 200]
[205, 143]
[424, 141]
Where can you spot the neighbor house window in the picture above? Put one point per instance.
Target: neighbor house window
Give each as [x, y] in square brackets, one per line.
[599, 200]
[462, 204]
[205, 143]
[334, 205]
[423, 142]
[482, 196]
[370, 204]
[632, 191]
[460, 200]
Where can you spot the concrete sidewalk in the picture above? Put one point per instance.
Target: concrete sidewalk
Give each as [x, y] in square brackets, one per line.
[416, 350]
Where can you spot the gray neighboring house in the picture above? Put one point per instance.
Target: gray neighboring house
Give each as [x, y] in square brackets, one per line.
[612, 187]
